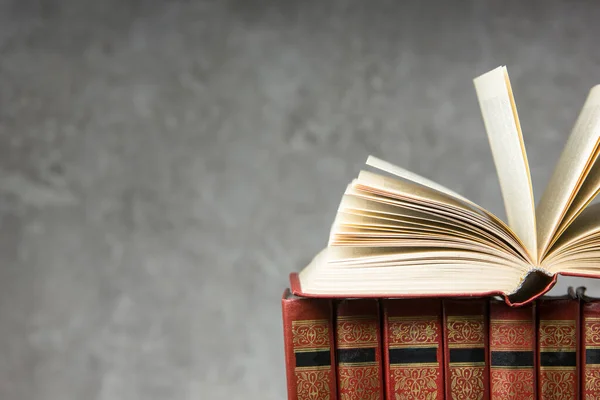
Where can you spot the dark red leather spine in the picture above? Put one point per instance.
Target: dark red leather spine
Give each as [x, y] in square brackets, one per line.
[557, 338]
[590, 359]
[358, 348]
[512, 352]
[413, 349]
[466, 349]
[309, 353]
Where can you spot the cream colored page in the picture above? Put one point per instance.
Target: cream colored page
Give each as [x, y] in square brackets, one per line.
[411, 190]
[411, 176]
[569, 172]
[586, 193]
[508, 150]
[585, 226]
[425, 198]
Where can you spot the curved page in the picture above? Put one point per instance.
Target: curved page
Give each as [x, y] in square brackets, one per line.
[506, 142]
[573, 167]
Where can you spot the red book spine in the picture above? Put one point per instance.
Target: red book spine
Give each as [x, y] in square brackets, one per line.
[308, 339]
[465, 347]
[590, 360]
[358, 347]
[558, 324]
[512, 349]
[413, 349]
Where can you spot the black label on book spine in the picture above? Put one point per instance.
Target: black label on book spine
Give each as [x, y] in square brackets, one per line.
[313, 358]
[592, 356]
[558, 359]
[415, 355]
[360, 355]
[468, 355]
[512, 359]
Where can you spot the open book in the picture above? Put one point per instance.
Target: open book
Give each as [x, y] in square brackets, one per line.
[397, 234]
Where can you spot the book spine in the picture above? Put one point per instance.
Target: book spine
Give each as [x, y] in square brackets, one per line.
[557, 338]
[590, 376]
[512, 348]
[358, 348]
[308, 340]
[466, 349]
[413, 349]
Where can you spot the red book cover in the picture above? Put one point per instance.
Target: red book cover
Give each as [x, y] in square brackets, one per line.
[465, 349]
[512, 348]
[358, 348]
[558, 324]
[590, 384]
[413, 349]
[308, 340]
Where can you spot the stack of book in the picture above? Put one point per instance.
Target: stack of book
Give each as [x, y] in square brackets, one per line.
[441, 349]
[423, 294]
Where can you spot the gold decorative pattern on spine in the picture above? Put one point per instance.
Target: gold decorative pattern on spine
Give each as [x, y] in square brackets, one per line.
[416, 383]
[592, 382]
[356, 332]
[359, 383]
[466, 383]
[310, 334]
[313, 384]
[592, 371]
[514, 384]
[557, 335]
[413, 332]
[511, 334]
[465, 331]
[558, 384]
[592, 332]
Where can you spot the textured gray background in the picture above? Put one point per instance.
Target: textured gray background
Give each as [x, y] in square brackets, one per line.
[165, 165]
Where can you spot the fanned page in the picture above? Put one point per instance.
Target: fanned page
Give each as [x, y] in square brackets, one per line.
[411, 176]
[406, 237]
[575, 181]
[577, 251]
[508, 150]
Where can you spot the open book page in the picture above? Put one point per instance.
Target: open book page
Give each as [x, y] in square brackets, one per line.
[575, 162]
[380, 234]
[411, 176]
[409, 194]
[576, 250]
[508, 150]
[588, 191]
[415, 216]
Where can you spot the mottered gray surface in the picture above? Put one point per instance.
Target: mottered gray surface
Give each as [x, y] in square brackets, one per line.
[165, 165]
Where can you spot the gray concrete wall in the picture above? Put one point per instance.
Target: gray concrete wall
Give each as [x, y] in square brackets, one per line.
[165, 165]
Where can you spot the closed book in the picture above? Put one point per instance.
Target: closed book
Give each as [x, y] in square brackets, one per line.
[466, 349]
[358, 348]
[512, 349]
[590, 384]
[309, 352]
[558, 326]
[413, 349]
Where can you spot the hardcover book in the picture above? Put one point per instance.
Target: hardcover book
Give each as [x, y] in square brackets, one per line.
[512, 352]
[558, 342]
[397, 234]
[309, 348]
[358, 348]
[466, 349]
[413, 349]
[590, 358]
